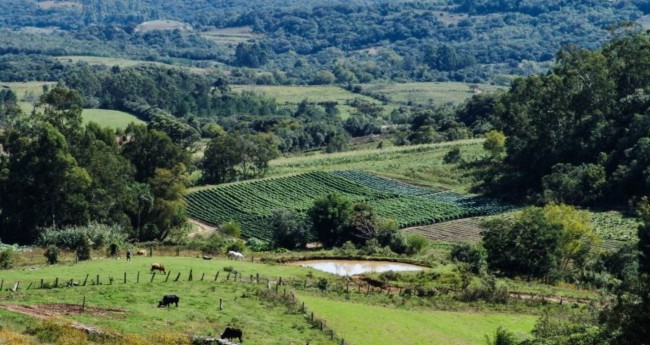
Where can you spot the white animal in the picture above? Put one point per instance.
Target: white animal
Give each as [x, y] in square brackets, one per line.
[235, 255]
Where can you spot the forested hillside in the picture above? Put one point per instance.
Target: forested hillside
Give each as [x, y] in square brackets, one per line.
[285, 42]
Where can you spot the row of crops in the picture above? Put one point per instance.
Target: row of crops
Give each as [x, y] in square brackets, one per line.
[252, 203]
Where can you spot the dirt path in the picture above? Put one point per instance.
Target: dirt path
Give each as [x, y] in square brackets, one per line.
[49, 311]
[200, 228]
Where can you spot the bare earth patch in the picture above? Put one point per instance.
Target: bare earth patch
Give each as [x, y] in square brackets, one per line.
[55, 310]
[200, 228]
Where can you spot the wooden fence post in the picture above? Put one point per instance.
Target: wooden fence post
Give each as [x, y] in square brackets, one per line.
[220, 303]
[228, 277]
[257, 276]
[153, 276]
[189, 279]
[124, 277]
[216, 276]
[97, 280]
[178, 277]
[168, 274]
[137, 279]
[86, 279]
[28, 286]
[2, 283]
[202, 275]
[41, 284]
[56, 282]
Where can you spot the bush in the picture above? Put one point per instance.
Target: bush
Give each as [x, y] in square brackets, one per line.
[453, 156]
[231, 228]
[474, 256]
[322, 284]
[70, 238]
[83, 249]
[6, 258]
[257, 245]
[52, 254]
[416, 244]
[235, 245]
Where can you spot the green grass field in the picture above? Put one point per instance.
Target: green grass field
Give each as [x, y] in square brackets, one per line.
[418, 164]
[109, 118]
[198, 312]
[427, 93]
[295, 94]
[363, 324]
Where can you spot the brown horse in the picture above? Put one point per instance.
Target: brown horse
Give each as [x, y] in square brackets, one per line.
[158, 267]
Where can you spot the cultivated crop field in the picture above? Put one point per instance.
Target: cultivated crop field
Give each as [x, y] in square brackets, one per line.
[251, 203]
[460, 230]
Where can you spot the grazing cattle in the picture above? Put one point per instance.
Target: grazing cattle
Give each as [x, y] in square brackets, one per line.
[141, 252]
[158, 267]
[231, 333]
[167, 300]
[235, 255]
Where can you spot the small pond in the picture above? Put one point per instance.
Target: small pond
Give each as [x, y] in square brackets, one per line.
[352, 267]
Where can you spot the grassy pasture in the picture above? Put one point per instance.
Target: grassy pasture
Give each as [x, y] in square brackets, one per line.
[109, 118]
[374, 325]
[418, 164]
[427, 93]
[198, 311]
[292, 95]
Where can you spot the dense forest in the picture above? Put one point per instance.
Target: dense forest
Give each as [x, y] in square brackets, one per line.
[578, 134]
[334, 41]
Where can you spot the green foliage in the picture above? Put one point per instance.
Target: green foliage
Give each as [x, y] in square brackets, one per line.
[70, 238]
[329, 216]
[495, 142]
[232, 157]
[231, 228]
[502, 337]
[83, 248]
[644, 237]
[475, 256]
[6, 258]
[540, 242]
[289, 229]
[52, 254]
[453, 156]
[572, 120]
[322, 284]
[526, 245]
[574, 184]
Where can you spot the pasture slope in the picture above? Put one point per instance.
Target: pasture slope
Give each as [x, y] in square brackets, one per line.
[366, 324]
[109, 118]
[130, 308]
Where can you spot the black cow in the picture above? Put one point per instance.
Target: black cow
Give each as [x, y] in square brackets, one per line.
[167, 300]
[231, 333]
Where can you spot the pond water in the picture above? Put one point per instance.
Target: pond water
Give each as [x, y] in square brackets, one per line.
[352, 267]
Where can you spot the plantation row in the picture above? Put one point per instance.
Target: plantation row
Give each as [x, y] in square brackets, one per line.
[383, 184]
[252, 203]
